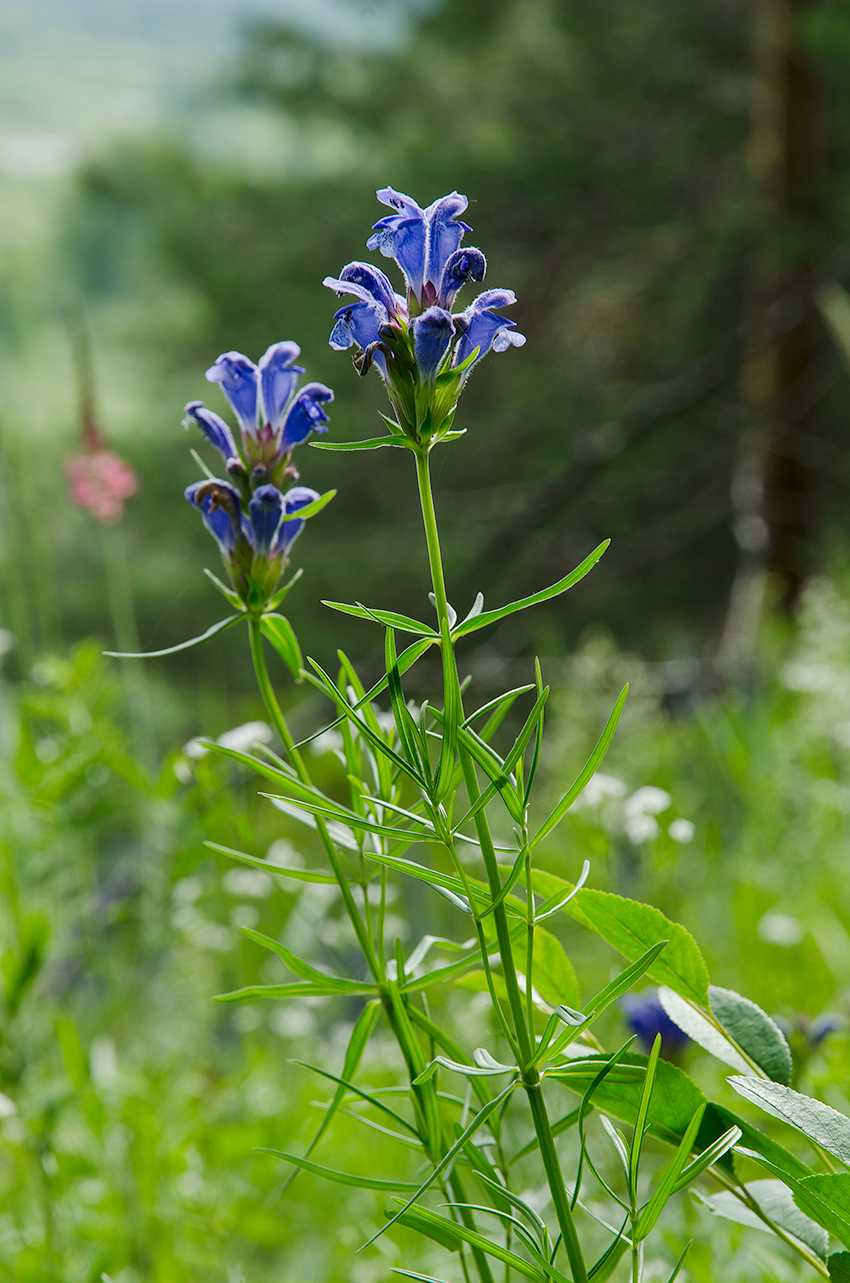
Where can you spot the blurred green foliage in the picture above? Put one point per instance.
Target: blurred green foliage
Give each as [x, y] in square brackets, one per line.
[132, 1105]
[605, 154]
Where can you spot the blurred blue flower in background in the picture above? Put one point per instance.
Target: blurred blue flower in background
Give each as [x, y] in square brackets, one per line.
[646, 1017]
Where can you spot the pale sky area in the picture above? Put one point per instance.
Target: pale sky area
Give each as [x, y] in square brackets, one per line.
[74, 72]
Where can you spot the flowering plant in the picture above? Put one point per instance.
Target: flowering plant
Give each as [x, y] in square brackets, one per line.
[439, 781]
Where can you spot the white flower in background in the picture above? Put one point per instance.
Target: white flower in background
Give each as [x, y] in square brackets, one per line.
[639, 811]
[781, 929]
[329, 741]
[241, 738]
[248, 882]
[641, 828]
[597, 789]
[682, 831]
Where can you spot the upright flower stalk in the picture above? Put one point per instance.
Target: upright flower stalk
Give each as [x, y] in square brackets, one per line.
[427, 780]
[425, 355]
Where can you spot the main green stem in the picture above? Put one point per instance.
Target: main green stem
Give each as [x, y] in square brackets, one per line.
[531, 1078]
[279, 722]
[364, 937]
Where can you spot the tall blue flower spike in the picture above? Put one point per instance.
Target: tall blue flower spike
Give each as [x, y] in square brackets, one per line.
[423, 351]
[252, 516]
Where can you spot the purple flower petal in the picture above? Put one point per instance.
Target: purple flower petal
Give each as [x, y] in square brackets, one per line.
[305, 415]
[238, 378]
[278, 378]
[214, 428]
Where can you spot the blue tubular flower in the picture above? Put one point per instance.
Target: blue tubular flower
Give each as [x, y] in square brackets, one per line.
[222, 512]
[445, 234]
[481, 327]
[214, 429]
[265, 509]
[305, 415]
[462, 266]
[403, 236]
[371, 280]
[238, 378]
[416, 342]
[432, 333]
[290, 528]
[358, 323]
[420, 240]
[278, 378]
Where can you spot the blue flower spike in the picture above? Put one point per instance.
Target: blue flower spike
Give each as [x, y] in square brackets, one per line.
[252, 515]
[422, 349]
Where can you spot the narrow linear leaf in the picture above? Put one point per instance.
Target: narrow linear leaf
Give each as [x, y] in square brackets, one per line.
[212, 631]
[306, 990]
[669, 1177]
[477, 1122]
[360, 1035]
[369, 1097]
[341, 1178]
[389, 618]
[587, 772]
[545, 594]
[229, 595]
[300, 875]
[370, 443]
[311, 509]
[525, 1268]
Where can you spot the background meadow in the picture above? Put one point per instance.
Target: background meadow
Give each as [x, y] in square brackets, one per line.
[176, 182]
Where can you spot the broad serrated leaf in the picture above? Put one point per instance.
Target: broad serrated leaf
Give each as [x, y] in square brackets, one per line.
[493, 616]
[282, 636]
[821, 1123]
[754, 1032]
[839, 1267]
[777, 1202]
[688, 1017]
[828, 1204]
[553, 977]
[673, 1103]
[631, 928]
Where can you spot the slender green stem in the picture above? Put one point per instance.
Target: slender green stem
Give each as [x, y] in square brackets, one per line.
[554, 1176]
[524, 1035]
[279, 722]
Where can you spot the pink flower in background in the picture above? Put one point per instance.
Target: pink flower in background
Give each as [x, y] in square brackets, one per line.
[100, 481]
